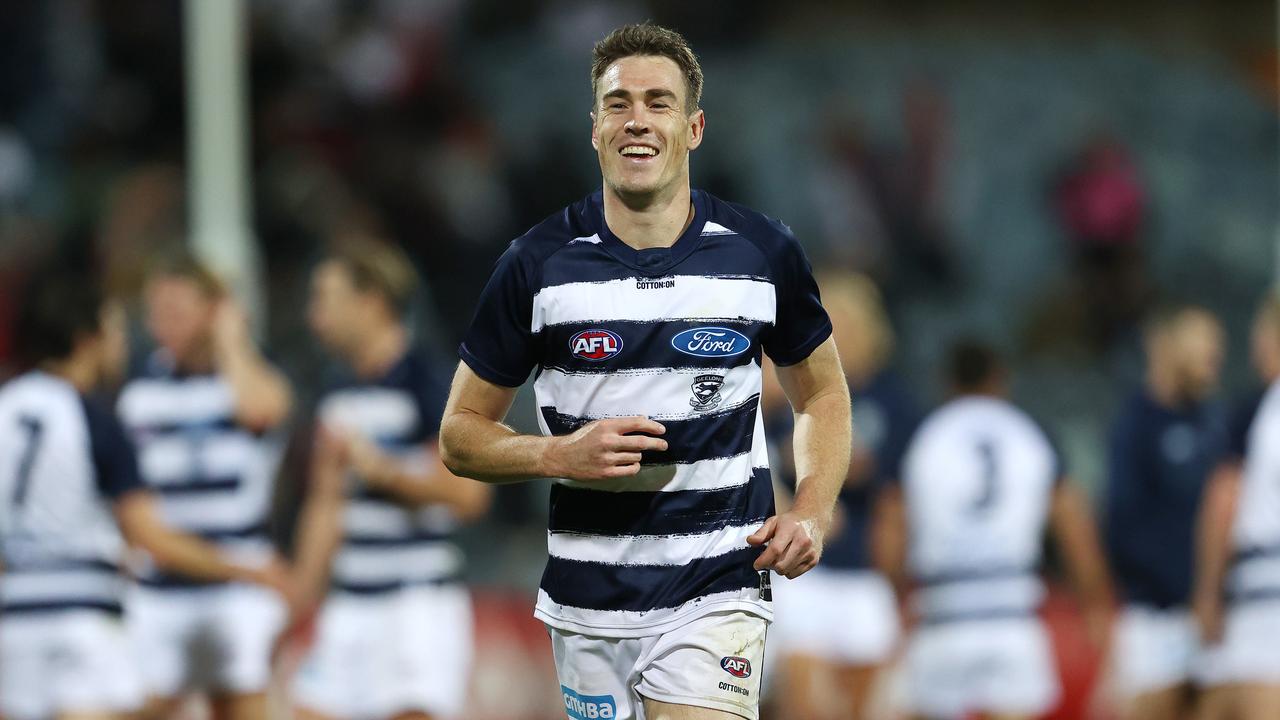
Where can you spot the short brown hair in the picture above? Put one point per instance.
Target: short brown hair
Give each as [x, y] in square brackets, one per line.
[180, 262]
[379, 267]
[653, 40]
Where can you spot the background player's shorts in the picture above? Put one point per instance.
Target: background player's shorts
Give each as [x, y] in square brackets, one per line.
[713, 661]
[376, 656]
[66, 661]
[1249, 650]
[999, 666]
[842, 616]
[215, 638]
[1154, 649]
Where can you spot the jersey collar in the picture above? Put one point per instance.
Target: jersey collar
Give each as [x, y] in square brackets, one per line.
[651, 261]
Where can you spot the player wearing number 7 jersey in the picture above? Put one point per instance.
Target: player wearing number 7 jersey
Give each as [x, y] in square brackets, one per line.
[70, 495]
[979, 481]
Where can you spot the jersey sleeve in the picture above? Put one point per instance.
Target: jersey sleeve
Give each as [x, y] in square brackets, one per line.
[114, 462]
[801, 323]
[499, 345]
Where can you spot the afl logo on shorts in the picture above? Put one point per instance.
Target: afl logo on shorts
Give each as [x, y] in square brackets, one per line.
[736, 666]
[595, 345]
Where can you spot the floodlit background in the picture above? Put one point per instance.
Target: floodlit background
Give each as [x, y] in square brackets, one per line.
[1037, 175]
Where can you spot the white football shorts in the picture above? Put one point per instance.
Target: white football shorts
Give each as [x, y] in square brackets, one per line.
[1250, 649]
[847, 617]
[995, 666]
[376, 656]
[713, 661]
[66, 661]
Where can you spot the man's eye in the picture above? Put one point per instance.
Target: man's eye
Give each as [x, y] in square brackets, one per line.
[617, 106]
[659, 106]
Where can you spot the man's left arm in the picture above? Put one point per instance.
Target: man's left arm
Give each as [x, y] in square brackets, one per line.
[822, 438]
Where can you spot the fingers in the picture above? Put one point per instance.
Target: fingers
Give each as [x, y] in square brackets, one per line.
[791, 552]
[765, 532]
[639, 443]
[637, 424]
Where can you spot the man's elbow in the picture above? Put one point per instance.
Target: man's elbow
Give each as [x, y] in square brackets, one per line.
[449, 445]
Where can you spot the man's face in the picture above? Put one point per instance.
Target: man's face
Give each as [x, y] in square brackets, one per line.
[1198, 342]
[179, 315]
[642, 129]
[333, 311]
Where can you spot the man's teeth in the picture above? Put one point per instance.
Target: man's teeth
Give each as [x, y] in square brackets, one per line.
[638, 150]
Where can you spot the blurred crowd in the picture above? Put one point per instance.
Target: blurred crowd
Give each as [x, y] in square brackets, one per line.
[1098, 206]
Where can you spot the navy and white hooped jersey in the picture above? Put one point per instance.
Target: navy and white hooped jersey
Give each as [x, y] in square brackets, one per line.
[212, 477]
[1255, 573]
[674, 334]
[63, 461]
[977, 480]
[386, 544]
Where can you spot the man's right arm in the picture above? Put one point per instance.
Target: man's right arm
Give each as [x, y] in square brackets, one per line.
[475, 443]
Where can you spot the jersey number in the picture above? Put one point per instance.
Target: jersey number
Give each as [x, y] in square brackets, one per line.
[990, 473]
[35, 433]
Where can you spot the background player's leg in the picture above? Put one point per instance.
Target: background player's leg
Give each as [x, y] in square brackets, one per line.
[91, 715]
[412, 715]
[654, 710]
[305, 713]
[239, 706]
[1169, 702]
[1216, 703]
[161, 708]
[855, 688]
[1257, 701]
[800, 687]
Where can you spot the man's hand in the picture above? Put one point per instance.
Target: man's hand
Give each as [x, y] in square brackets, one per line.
[603, 449]
[793, 544]
[230, 327]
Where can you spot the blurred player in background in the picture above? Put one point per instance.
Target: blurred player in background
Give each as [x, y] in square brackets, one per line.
[980, 479]
[394, 637]
[201, 412]
[1165, 443]
[1239, 551]
[646, 308]
[838, 624]
[69, 488]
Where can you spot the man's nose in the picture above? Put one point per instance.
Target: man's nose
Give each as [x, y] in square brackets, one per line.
[637, 124]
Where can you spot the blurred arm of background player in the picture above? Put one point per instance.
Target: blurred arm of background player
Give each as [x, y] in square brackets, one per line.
[140, 523]
[821, 444]
[1075, 532]
[320, 521]
[467, 499]
[262, 395]
[1213, 548]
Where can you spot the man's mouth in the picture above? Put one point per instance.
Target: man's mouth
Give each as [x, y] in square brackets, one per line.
[638, 153]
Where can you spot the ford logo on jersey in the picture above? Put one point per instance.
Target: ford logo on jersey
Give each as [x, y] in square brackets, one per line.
[736, 666]
[595, 345]
[711, 342]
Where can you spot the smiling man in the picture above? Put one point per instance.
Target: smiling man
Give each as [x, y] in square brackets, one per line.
[646, 308]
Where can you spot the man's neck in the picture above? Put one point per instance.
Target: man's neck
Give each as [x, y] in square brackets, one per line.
[1163, 388]
[655, 223]
[379, 351]
[78, 370]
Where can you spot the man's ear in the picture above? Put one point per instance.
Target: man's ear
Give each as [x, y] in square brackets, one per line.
[697, 123]
[595, 139]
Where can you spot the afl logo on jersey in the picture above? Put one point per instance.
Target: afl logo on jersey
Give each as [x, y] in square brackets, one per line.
[711, 342]
[736, 666]
[595, 345]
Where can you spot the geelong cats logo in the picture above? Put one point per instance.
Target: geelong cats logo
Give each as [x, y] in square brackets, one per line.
[706, 392]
